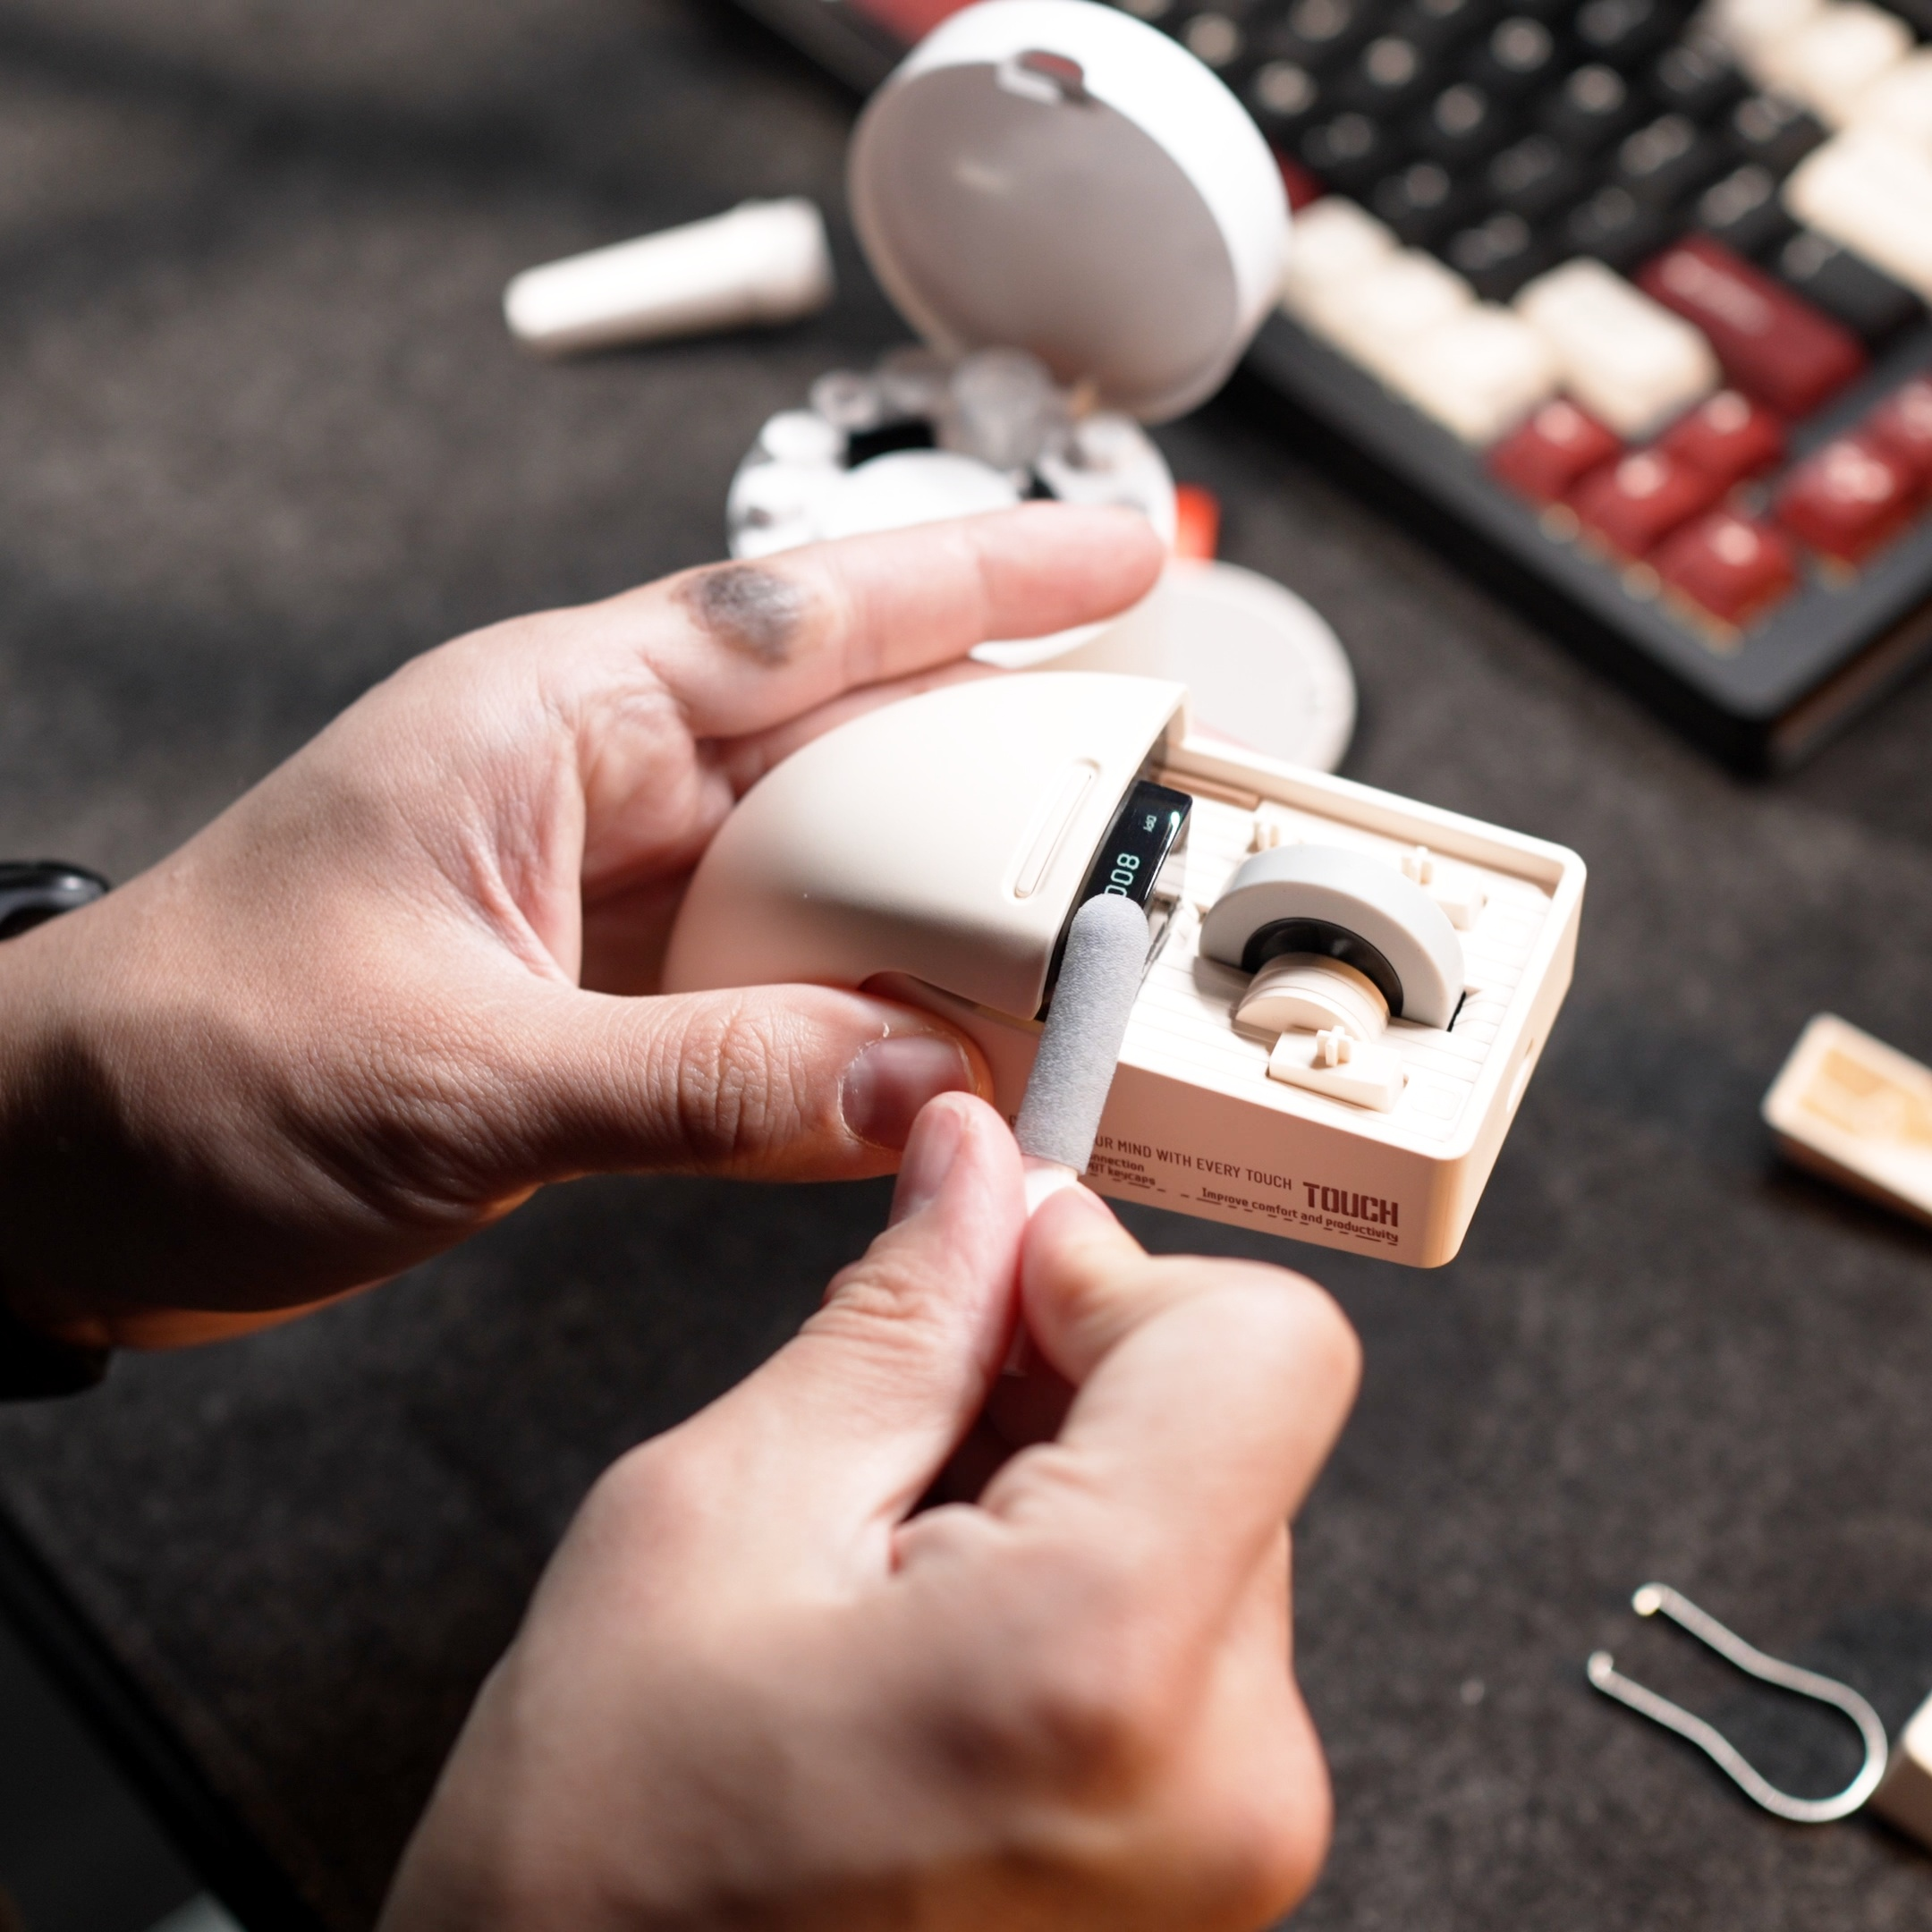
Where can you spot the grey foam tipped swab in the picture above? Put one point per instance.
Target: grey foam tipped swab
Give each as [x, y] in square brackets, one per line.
[1106, 953]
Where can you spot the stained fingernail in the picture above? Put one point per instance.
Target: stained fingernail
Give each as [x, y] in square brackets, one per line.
[929, 1156]
[889, 1082]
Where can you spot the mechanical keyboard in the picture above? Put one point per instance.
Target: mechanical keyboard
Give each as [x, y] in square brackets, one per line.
[1633, 294]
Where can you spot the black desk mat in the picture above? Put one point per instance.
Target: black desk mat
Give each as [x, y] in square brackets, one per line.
[266, 438]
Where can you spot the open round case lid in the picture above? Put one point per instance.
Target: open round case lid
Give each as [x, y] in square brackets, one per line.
[1056, 176]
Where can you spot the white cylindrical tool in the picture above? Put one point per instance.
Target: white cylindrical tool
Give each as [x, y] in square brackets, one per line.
[765, 262]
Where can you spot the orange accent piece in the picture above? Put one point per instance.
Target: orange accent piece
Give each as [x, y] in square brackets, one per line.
[1197, 522]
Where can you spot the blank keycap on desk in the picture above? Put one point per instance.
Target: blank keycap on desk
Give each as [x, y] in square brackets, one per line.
[1633, 504]
[1848, 499]
[1623, 356]
[1871, 305]
[1729, 565]
[1727, 436]
[1477, 375]
[1902, 426]
[1772, 345]
[1546, 457]
[1874, 196]
[1836, 57]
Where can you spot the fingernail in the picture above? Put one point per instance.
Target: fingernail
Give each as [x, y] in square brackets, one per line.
[928, 1159]
[889, 1082]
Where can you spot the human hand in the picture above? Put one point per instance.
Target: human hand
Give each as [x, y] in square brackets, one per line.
[385, 995]
[755, 1690]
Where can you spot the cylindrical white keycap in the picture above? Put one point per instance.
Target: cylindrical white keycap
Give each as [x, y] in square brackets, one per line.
[765, 262]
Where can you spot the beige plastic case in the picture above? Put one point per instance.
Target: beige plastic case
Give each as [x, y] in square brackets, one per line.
[936, 848]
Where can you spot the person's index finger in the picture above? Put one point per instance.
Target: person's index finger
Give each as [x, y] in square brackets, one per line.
[743, 646]
[1209, 1393]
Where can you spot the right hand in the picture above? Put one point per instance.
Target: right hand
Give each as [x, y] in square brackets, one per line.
[758, 1687]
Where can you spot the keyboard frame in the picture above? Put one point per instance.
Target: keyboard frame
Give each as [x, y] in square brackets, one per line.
[1799, 676]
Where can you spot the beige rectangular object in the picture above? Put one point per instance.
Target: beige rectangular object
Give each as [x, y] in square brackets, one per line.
[1193, 1122]
[1904, 1795]
[1857, 1112]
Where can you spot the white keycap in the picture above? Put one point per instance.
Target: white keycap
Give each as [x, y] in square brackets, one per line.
[1375, 316]
[1750, 29]
[1836, 59]
[1332, 242]
[1479, 375]
[1900, 105]
[1873, 195]
[1625, 358]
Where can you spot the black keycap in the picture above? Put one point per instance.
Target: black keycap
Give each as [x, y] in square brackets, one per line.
[1594, 105]
[1667, 159]
[1213, 37]
[1775, 133]
[1517, 57]
[1318, 34]
[1389, 75]
[1499, 255]
[1463, 124]
[1617, 228]
[1622, 33]
[1533, 178]
[1421, 202]
[1350, 151]
[1697, 78]
[1846, 285]
[1437, 25]
[1283, 98]
[1743, 211]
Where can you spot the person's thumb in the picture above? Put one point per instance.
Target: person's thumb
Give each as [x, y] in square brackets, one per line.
[830, 1444]
[773, 1083]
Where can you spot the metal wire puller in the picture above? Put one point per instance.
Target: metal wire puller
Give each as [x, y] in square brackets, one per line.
[1654, 1597]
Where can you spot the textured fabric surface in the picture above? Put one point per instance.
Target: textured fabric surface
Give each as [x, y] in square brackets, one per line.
[266, 438]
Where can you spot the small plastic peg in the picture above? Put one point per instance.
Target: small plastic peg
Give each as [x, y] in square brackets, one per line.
[1340, 1068]
[1419, 865]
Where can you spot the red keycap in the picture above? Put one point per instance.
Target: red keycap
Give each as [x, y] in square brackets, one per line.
[1902, 426]
[1848, 499]
[1559, 444]
[1302, 187]
[1728, 437]
[1634, 505]
[1729, 565]
[1772, 345]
